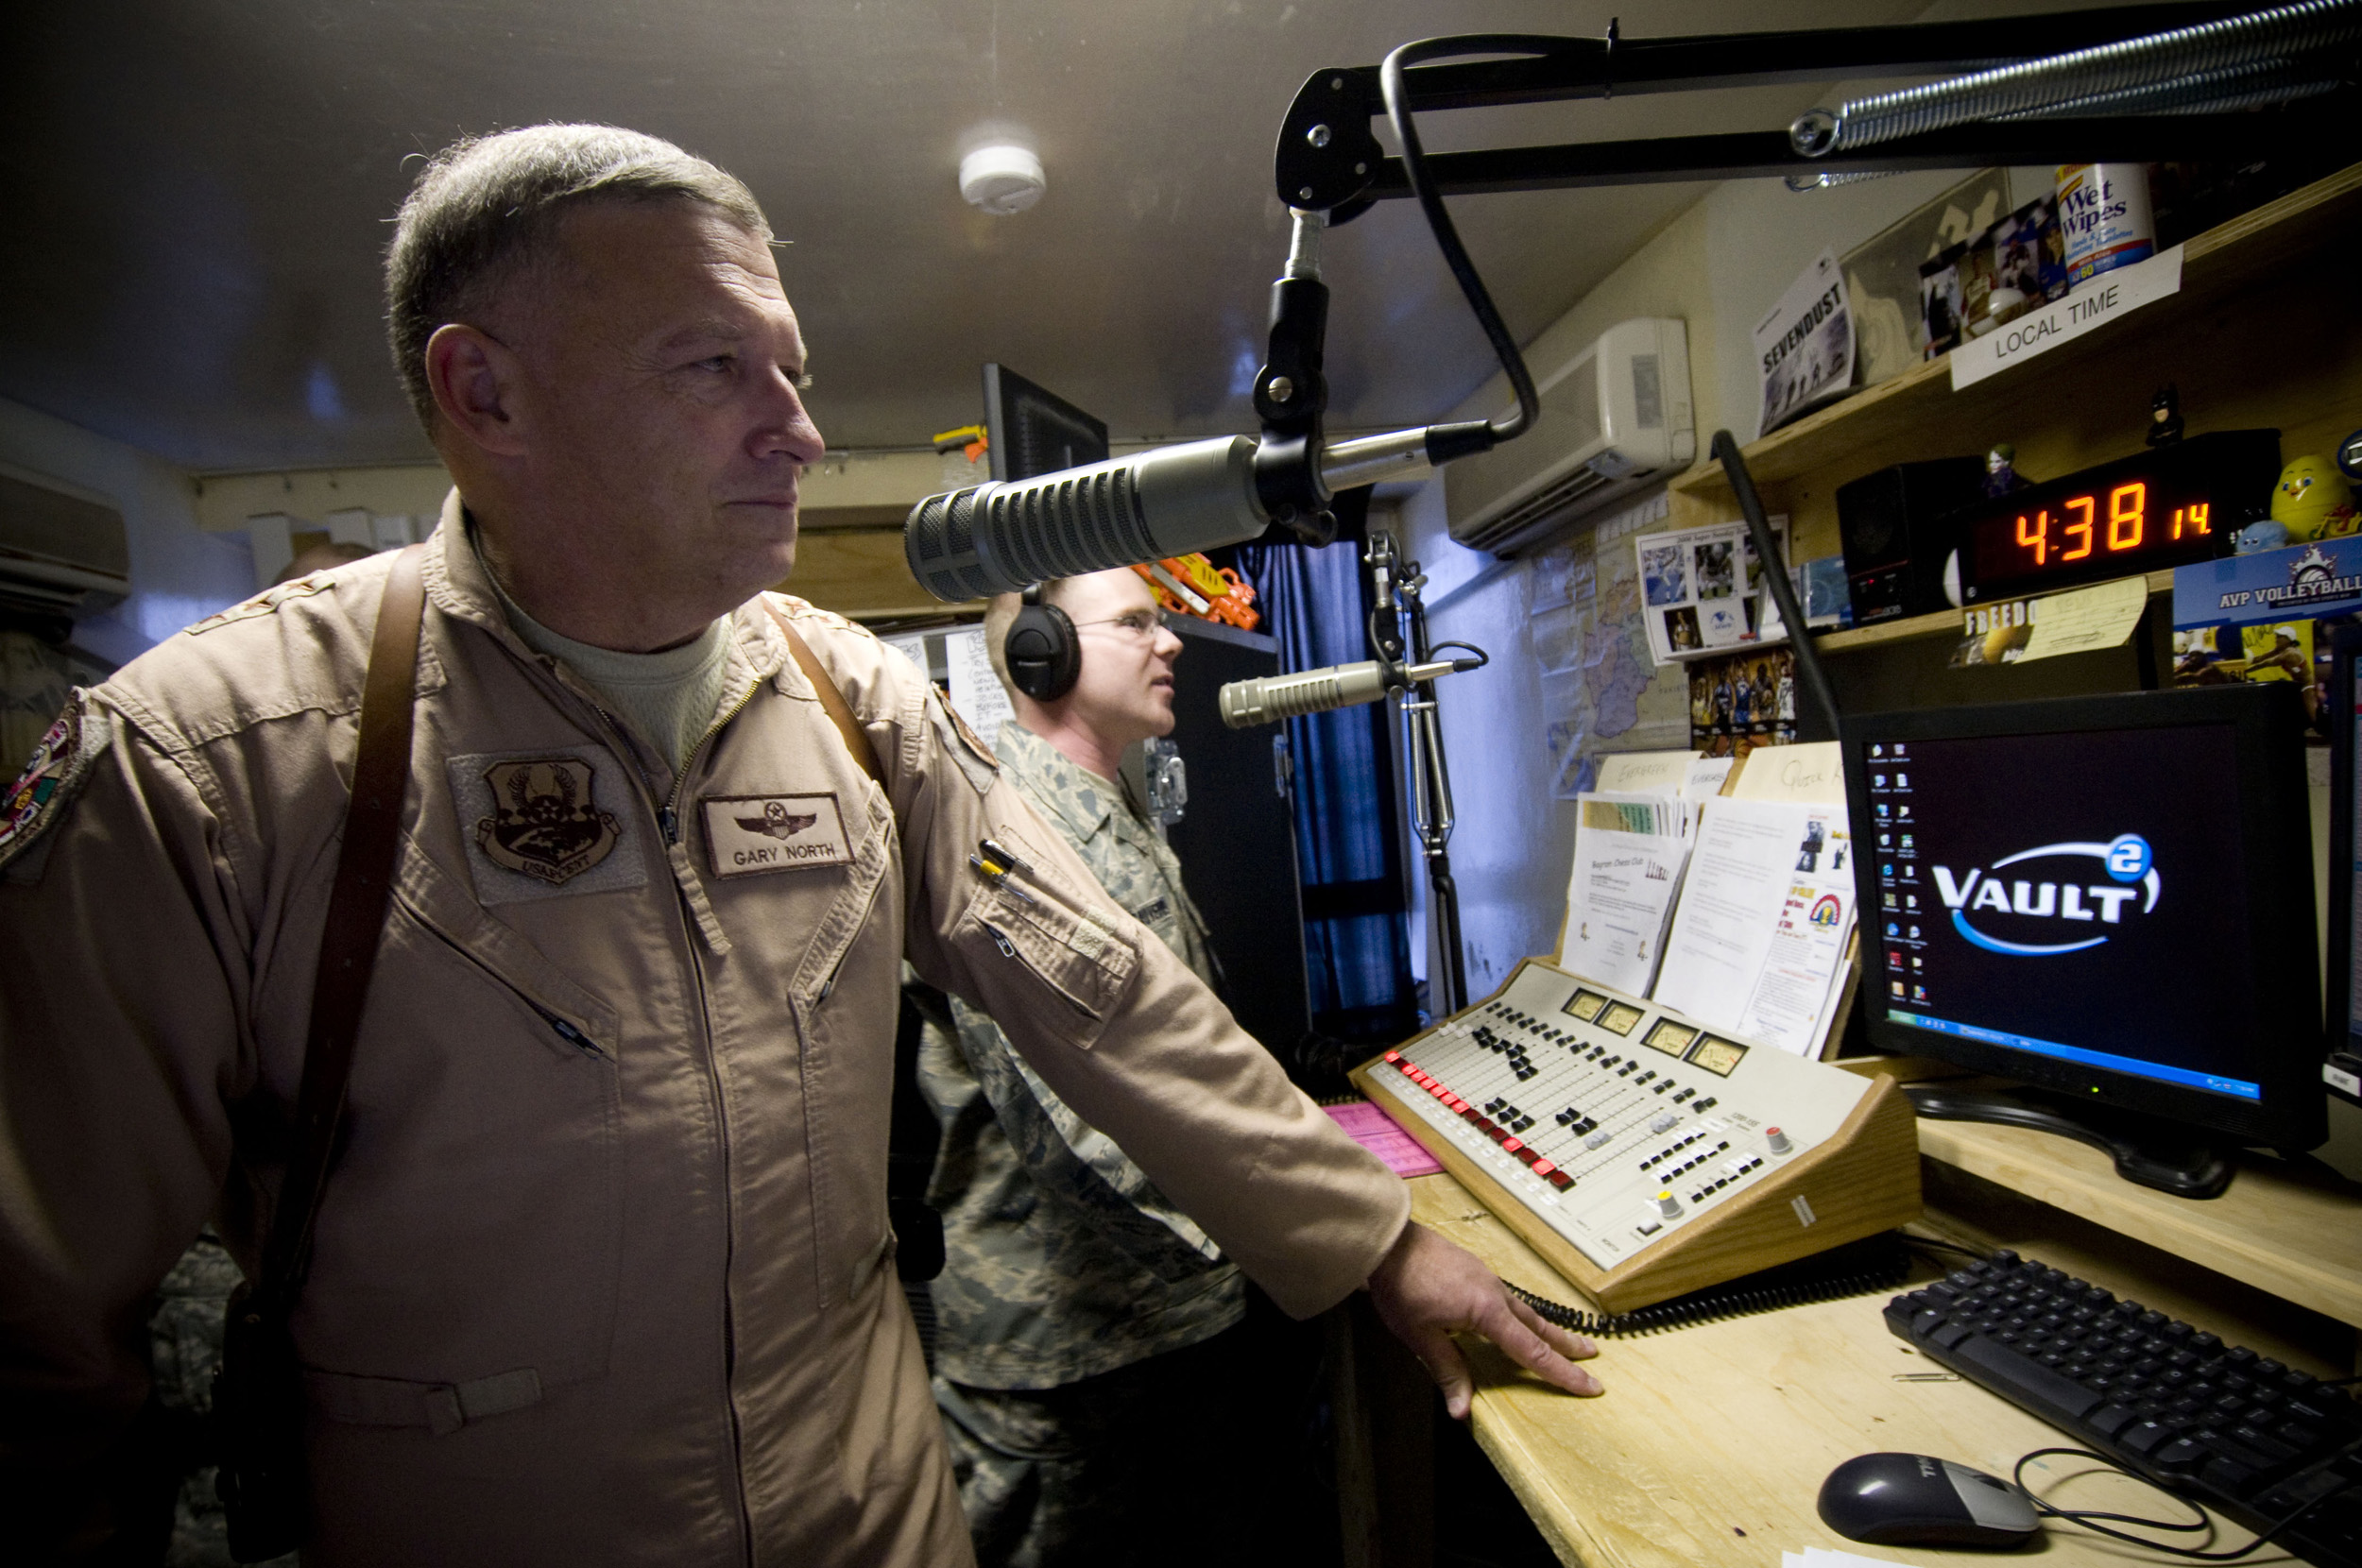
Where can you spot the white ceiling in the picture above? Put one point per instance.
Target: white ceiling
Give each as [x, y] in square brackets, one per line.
[197, 192]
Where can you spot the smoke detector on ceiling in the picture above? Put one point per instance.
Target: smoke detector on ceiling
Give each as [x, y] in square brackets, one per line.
[1002, 178]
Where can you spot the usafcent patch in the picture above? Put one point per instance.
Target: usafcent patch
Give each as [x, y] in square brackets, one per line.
[59, 766]
[545, 823]
[974, 759]
[746, 835]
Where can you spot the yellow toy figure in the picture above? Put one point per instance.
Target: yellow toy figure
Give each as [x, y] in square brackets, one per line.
[2313, 501]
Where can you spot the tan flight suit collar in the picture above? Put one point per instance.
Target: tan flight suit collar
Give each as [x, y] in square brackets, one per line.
[460, 585]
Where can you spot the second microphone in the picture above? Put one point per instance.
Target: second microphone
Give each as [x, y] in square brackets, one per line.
[1270, 698]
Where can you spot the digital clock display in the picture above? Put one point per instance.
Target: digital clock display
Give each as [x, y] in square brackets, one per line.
[2163, 507]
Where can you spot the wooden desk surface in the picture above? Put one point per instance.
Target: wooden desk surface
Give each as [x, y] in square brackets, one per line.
[2281, 1230]
[1709, 1447]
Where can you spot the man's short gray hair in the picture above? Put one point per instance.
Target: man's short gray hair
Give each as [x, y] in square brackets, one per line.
[488, 207]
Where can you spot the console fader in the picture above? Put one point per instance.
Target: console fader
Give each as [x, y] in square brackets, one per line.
[1641, 1152]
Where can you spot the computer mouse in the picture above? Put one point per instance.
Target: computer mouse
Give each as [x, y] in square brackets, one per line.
[1913, 1500]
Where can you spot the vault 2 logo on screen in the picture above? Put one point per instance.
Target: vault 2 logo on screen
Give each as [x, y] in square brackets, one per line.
[2066, 908]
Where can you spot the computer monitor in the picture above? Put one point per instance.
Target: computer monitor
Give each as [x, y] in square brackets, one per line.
[1032, 432]
[2108, 898]
[2342, 1072]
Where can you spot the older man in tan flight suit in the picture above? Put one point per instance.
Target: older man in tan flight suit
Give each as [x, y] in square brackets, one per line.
[602, 1272]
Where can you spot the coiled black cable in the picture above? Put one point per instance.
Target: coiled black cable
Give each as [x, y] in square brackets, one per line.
[1879, 1263]
[1431, 201]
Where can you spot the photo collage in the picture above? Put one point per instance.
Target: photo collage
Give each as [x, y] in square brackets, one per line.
[1742, 701]
[1703, 590]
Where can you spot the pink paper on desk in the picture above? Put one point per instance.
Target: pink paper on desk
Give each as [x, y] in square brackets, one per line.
[1377, 1132]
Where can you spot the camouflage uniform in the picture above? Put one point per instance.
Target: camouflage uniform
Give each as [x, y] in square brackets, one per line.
[1065, 1266]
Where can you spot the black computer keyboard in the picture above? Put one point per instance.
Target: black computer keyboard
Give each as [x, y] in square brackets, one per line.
[2215, 1422]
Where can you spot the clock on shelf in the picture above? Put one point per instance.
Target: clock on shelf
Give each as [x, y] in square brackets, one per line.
[2163, 507]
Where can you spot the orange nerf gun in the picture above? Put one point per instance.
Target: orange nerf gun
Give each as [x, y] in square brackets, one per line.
[1192, 585]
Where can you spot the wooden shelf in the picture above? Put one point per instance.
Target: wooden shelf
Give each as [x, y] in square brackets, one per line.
[1942, 623]
[2286, 1233]
[2279, 236]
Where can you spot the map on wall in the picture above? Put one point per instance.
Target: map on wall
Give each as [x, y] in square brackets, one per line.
[1602, 690]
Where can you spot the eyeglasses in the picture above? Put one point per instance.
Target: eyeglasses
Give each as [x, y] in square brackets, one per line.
[1140, 625]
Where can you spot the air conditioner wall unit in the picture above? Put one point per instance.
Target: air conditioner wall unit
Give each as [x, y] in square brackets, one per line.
[1614, 418]
[64, 552]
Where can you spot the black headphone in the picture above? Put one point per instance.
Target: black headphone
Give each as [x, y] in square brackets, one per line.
[1044, 660]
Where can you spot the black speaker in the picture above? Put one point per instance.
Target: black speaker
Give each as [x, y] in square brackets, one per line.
[1044, 660]
[1891, 523]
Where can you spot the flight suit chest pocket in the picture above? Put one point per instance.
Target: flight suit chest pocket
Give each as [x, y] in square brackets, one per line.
[1066, 969]
[470, 1244]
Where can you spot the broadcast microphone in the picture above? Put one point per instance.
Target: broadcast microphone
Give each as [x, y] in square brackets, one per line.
[1268, 698]
[1003, 537]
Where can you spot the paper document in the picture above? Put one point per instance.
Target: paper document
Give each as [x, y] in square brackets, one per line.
[1643, 772]
[1374, 1130]
[1629, 851]
[1812, 772]
[1759, 936]
[1821, 1557]
[1804, 967]
[1704, 779]
[2101, 616]
[1804, 346]
[976, 692]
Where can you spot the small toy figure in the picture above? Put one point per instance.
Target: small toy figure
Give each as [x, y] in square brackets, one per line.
[2165, 416]
[2001, 475]
[2259, 536]
[2312, 501]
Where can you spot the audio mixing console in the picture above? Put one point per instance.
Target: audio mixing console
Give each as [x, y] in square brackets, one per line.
[1641, 1152]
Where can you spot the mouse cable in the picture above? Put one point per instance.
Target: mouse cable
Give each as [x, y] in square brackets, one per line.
[2083, 1517]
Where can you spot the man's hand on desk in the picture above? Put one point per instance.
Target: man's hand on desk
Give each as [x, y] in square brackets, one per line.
[1426, 1290]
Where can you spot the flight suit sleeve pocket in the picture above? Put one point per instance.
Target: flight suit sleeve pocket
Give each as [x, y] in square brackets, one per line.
[1045, 966]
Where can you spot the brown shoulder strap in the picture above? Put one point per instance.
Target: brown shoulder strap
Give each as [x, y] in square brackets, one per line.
[356, 917]
[840, 711]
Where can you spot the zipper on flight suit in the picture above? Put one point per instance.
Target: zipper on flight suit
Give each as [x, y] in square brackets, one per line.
[668, 824]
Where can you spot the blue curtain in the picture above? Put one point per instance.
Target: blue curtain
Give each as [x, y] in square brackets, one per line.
[1348, 852]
